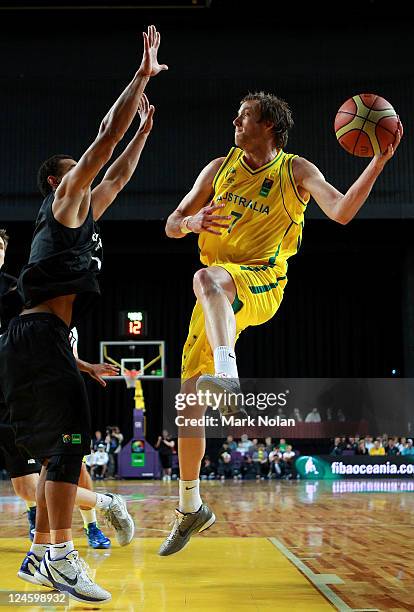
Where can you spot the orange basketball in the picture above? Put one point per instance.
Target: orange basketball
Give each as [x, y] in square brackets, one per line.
[365, 125]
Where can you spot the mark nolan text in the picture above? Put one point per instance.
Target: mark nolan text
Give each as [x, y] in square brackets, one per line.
[232, 421]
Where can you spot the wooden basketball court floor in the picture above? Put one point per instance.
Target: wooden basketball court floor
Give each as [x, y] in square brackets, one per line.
[300, 546]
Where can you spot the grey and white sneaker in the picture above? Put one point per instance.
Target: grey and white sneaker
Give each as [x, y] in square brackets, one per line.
[227, 393]
[184, 527]
[70, 575]
[118, 516]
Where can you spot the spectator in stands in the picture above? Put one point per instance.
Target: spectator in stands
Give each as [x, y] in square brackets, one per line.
[329, 413]
[253, 447]
[275, 464]
[340, 415]
[225, 466]
[336, 450]
[369, 443]
[97, 440]
[401, 445]
[313, 416]
[99, 463]
[113, 441]
[281, 413]
[351, 444]
[165, 447]
[207, 471]
[282, 445]
[248, 468]
[377, 449]
[409, 448]
[244, 444]
[297, 415]
[392, 448]
[232, 445]
[260, 459]
[288, 459]
[268, 444]
[362, 450]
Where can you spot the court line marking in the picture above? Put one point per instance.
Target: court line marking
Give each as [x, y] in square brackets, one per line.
[319, 581]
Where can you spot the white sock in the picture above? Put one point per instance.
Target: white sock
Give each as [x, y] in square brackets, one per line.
[58, 551]
[225, 361]
[103, 501]
[39, 549]
[190, 500]
[89, 516]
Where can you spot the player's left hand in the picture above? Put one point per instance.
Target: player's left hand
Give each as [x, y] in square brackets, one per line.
[146, 113]
[98, 370]
[386, 156]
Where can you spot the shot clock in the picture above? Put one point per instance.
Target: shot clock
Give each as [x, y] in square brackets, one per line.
[132, 324]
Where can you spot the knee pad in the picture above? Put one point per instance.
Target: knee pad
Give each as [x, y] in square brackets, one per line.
[64, 468]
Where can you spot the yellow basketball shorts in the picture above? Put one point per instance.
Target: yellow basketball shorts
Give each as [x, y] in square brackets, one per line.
[259, 295]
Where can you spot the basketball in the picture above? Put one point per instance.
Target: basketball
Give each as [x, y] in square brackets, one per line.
[365, 125]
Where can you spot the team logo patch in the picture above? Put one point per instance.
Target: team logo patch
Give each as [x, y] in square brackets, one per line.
[266, 187]
[74, 438]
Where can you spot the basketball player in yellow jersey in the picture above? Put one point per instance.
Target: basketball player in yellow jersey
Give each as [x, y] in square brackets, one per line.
[248, 209]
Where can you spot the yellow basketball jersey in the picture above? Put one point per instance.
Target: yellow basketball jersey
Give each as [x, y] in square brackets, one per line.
[267, 214]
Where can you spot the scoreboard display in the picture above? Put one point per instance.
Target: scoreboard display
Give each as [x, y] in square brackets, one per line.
[132, 324]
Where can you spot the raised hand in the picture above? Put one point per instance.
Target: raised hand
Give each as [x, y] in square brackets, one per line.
[149, 65]
[146, 113]
[386, 156]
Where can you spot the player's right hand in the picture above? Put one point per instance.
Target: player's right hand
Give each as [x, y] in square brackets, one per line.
[205, 220]
[146, 114]
[149, 66]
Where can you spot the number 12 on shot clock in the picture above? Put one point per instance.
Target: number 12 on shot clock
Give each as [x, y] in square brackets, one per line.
[132, 323]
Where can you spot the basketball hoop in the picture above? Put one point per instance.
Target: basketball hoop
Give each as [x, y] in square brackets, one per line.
[131, 377]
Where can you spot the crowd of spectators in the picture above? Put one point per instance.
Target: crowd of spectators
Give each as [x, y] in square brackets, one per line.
[102, 462]
[384, 445]
[250, 460]
[254, 459]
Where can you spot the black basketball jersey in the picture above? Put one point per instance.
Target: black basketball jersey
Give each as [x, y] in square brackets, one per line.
[62, 262]
[9, 300]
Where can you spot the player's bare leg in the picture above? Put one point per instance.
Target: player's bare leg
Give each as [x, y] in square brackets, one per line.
[41, 540]
[192, 516]
[25, 488]
[96, 538]
[216, 291]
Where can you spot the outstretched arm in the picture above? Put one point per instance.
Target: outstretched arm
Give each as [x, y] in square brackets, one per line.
[120, 172]
[74, 185]
[337, 206]
[97, 370]
[195, 212]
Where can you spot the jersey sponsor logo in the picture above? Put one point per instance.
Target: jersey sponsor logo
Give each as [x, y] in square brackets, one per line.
[266, 187]
[240, 201]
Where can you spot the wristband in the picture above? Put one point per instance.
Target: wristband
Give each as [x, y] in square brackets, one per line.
[184, 225]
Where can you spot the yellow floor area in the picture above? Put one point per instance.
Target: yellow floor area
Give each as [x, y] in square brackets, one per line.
[211, 574]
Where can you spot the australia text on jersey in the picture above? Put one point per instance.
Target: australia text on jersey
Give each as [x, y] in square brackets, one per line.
[237, 199]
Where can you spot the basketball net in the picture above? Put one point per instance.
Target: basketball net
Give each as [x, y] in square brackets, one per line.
[131, 376]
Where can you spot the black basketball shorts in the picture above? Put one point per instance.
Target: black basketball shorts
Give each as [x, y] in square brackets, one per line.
[16, 464]
[43, 388]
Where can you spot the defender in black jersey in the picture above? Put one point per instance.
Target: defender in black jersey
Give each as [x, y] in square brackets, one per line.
[42, 385]
[23, 470]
